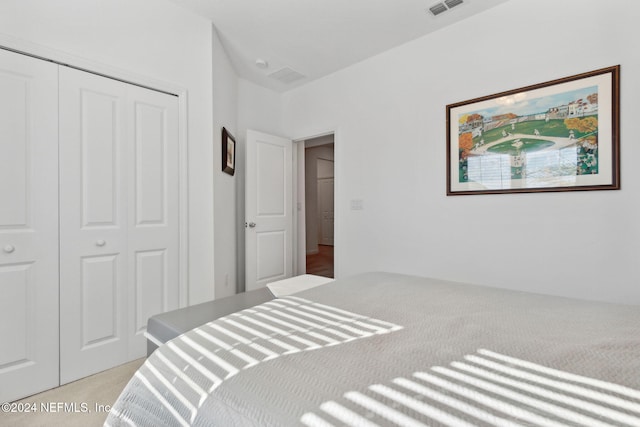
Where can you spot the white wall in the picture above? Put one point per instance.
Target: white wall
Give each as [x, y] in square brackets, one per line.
[155, 40]
[388, 113]
[225, 114]
[390, 152]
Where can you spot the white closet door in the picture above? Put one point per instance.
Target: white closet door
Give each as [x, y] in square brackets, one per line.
[93, 224]
[153, 201]
[28, 226]
[119, 224]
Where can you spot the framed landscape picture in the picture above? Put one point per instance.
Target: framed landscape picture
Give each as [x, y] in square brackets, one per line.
[560, 135]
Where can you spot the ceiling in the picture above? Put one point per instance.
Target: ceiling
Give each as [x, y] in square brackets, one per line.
[309, 39]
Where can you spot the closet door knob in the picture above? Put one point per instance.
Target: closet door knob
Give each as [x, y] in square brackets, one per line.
[9, 248]
[100, 242]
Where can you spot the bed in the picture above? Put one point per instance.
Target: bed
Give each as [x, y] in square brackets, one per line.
[388, 349]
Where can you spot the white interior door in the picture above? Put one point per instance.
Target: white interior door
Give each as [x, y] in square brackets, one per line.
[93, 224]
[28, 226]
[119, 224]
[269, 210]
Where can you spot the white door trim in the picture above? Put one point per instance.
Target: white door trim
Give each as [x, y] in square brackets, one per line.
[63, 58]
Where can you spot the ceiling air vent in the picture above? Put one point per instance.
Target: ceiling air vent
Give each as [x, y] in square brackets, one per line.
[286, 75]
[439, 8]
[452, 3]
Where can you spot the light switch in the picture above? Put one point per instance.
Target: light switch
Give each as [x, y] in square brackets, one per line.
[357, 204]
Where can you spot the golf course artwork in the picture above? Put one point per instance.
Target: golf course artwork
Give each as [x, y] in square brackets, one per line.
[556, 136]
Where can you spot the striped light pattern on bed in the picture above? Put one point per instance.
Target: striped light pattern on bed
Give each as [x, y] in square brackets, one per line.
[181, 374]
[486, 388]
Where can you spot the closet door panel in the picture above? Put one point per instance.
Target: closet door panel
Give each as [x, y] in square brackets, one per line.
[99, 289]
[153, 234]
[28, 226]
[93, 224]
[99, 140]
[14, 149]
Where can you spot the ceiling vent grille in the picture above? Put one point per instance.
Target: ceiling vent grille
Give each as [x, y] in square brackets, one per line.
[286, 75]
[452, 3]
[439, 8]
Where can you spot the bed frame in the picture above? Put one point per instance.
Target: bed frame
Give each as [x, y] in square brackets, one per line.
[166, 326]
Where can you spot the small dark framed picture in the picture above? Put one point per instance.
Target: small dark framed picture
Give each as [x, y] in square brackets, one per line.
[228, 152]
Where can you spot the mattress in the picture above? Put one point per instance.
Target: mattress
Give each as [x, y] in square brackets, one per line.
[388, 349]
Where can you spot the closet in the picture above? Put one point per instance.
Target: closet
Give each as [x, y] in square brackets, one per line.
[89, 221]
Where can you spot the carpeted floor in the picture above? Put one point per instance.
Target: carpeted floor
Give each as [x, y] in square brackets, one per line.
[83, 403]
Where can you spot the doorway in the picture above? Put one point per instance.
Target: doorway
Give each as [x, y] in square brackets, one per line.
[319, 184]
[283, 257]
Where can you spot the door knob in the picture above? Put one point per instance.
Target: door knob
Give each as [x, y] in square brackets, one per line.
[252, 225]
[9, 248]
[100, 242]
